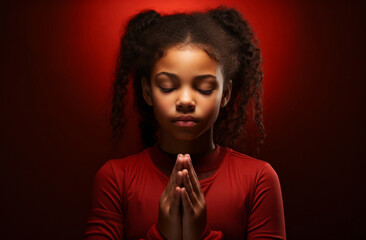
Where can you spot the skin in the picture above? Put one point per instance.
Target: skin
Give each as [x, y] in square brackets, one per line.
[185, 81]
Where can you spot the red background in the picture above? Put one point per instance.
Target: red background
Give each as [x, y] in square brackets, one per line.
[57, 61]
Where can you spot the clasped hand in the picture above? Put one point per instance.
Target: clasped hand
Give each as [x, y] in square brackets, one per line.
[182, 206]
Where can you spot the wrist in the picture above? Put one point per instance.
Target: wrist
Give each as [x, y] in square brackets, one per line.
[154, 233]
[159, 232]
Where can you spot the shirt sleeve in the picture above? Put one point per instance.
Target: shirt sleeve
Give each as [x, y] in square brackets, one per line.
[266, 220]
[210, 234]
[105, 221]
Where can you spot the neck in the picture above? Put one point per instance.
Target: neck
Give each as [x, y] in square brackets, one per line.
[200, 146]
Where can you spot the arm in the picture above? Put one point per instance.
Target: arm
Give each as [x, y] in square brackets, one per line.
[267, 220]
[106, 216]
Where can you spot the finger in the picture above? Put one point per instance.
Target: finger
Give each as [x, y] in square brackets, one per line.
[188, 186]
[179, 179]
[176, 202]
[178, 164]
[192, 175]
[187, 204]
[177, 167]
[168, 194]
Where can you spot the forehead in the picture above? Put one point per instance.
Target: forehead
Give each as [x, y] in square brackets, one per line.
[186, 61]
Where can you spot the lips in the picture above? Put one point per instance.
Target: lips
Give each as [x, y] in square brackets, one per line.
[185, 121]
[186, 118]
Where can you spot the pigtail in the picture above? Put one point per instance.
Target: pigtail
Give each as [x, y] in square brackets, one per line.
[126, 66]
[247, 83]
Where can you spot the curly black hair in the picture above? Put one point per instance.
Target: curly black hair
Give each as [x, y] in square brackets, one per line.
[226, 36]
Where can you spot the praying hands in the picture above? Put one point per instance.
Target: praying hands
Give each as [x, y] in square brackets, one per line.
[182, 206]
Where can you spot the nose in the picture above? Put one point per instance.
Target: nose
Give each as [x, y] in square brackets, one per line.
[185, 101]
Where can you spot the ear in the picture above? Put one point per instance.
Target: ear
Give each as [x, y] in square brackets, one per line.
[146, 91]
[226, 94]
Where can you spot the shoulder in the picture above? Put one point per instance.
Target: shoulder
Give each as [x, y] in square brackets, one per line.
[122, 166]
[238, 159]
[249, 167]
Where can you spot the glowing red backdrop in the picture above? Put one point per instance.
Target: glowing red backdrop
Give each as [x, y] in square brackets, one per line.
[57, 63]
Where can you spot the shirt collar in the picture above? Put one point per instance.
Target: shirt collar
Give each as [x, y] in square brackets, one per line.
[201, 163]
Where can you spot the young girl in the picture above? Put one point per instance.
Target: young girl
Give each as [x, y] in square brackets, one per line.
[193, 77]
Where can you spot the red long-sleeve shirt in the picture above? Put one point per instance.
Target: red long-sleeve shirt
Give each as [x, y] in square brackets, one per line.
[243, 196]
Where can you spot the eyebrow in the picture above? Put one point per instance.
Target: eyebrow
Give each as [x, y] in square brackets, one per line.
[174, 76]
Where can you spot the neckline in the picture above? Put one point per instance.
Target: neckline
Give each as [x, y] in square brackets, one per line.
[209, 162]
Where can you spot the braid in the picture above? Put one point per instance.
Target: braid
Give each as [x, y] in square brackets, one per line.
[247, 82]
[126, 64]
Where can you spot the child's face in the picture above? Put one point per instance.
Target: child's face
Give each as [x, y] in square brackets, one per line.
[186, 82]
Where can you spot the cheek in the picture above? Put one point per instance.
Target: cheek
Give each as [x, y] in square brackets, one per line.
[211, 107]
[162, 106]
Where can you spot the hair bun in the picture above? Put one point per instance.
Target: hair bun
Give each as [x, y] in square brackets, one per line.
[231, 20]
[140, 22]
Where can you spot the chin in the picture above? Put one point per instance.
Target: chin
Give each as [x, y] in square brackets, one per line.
[187, 135]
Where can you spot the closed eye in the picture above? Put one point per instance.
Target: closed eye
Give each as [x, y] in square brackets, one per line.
[205, 92]
[166, 89]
